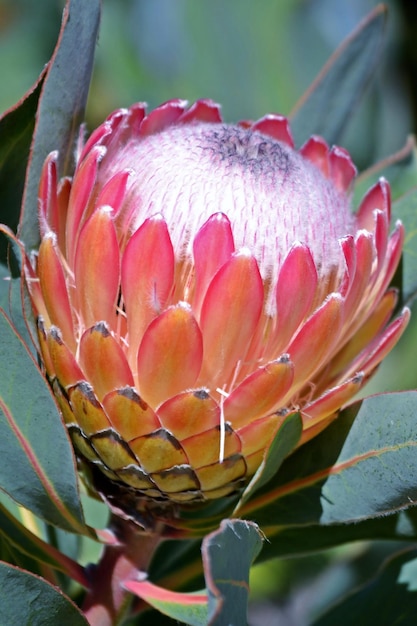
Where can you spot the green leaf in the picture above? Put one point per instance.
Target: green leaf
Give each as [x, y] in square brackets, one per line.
[330, 102]
[390, 598]
[62, 103]
[181, 560]
[301, 540]
[16, 129]
[37, 468]
[15, 299]
[22, 540]
[405, 209]
[188, 608]
[228, 554]
[169, 557]
[400, 170]
[4, 286]
[284, 442]
[28, 599]
[364, 465]
[21, 313]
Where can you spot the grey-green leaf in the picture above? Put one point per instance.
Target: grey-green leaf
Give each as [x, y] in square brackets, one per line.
[332, 99]
[16, 128]
[228, 554]
[37, 466]
[26, 599]
[62, 103]
[362, 466]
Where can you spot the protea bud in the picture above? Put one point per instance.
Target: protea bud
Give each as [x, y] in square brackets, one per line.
[195, 282]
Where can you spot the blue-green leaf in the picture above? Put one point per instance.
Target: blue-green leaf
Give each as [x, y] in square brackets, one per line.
[328, 105]
[26, 599]
[362, 466]
[16, 129]
[62, 103]
[37, 466]
[228, 554]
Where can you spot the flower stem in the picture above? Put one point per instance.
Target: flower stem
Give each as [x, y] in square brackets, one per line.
[128, 558]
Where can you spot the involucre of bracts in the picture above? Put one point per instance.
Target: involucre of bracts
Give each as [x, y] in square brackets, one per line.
[195, 282]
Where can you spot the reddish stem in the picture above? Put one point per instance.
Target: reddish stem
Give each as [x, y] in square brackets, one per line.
[127, 559]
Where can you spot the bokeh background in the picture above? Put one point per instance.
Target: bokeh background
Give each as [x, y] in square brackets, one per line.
[253, 58]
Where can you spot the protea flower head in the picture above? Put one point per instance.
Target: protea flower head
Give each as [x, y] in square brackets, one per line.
[195, 282]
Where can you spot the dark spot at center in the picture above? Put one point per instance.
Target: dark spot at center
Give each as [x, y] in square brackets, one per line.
[250, 150]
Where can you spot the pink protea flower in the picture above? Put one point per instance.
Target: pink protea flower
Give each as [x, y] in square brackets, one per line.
[195, 282]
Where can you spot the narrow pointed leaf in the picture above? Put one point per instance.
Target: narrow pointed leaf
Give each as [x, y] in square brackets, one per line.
[61, 104]
[37, 468]
[389, 598]
[28, 599]
[16, 129]
[188, 608]
[339, 87]
[284, 442]
[400, 169]
[228, 554]
[23, 540]
[405, 209]
[362, 466]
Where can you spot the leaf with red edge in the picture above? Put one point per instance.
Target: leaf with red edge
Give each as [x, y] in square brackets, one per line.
[329, 103]
[300, 540]
[189, 608]
[37, 465]
[28, 599]
[228, 554]
[362, 466]
[179, 562]
[400, 169]
[16, 129]
[15, 534]
[61, 104]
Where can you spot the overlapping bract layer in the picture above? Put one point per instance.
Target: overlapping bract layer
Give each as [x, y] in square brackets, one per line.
[174, 345]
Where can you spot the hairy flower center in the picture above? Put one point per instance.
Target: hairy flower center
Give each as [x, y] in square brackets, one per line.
[254, 153]
[271, 194]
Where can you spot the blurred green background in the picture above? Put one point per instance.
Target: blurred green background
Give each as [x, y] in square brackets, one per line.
[253, 57]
